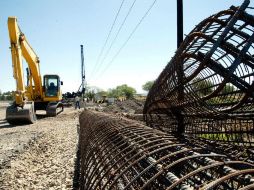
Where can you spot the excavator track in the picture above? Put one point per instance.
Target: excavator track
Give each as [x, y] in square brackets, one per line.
[54, 108]
[17, 115]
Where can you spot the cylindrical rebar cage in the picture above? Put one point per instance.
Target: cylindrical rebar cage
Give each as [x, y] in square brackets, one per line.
[207, 89]
[117, 153]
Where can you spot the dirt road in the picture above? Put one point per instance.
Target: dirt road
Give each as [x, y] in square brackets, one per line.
[41, 155]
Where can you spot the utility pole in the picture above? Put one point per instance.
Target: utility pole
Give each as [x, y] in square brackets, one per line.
[83, 76]
[179, 22]
[179, 110]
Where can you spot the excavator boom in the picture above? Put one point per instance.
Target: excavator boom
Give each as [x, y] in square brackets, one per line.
[14, 34]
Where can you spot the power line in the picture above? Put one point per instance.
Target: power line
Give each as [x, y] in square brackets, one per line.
[129, 37]
[119, 30]
[106, 41]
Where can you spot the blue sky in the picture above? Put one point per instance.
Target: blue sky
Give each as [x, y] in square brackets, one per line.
[56, 28]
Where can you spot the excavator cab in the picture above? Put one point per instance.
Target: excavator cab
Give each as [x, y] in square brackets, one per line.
[51, 85]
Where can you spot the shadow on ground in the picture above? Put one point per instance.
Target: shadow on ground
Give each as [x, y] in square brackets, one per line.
[76, 177]
[4, 124]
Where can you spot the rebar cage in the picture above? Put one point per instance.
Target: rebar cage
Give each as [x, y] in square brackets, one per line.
[117, 153]
[207, 89]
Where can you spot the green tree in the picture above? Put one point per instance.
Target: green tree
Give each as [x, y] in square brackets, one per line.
[125, 90]
[228, 88]
[148, 85]
[114, 93]
[90, 94]
[2, 97]
[103, 93]
[9, 97]
[122, 90]
[203, 87]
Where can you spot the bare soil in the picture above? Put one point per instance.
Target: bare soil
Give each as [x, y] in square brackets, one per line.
[130, 106]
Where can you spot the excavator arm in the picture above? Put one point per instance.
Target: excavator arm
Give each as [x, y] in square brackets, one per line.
[18, 73]
[21, 48]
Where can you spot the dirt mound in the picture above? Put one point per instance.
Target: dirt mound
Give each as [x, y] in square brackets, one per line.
[132, 106]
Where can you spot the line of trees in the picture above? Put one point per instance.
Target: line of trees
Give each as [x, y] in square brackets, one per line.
[6, 96]
[120, 91]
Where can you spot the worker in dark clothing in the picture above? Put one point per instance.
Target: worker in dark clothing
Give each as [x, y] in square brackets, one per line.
[77, 102]
[52, 90]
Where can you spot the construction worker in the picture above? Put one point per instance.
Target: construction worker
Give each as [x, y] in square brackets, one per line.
[77, 99]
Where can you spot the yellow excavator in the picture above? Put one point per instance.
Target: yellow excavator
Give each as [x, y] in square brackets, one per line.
[35, 95]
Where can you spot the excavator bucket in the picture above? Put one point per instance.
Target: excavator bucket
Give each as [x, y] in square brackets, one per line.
[18, 115]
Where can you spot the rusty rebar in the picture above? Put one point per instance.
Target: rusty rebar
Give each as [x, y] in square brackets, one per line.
[117, 153]
[216, 85]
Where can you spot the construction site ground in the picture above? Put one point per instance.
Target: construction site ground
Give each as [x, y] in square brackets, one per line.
[42, 155]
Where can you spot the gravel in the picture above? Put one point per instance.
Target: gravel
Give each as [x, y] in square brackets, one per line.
[41, 155]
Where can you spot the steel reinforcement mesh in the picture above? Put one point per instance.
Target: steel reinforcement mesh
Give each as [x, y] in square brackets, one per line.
[117, 153]
[207, 89]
